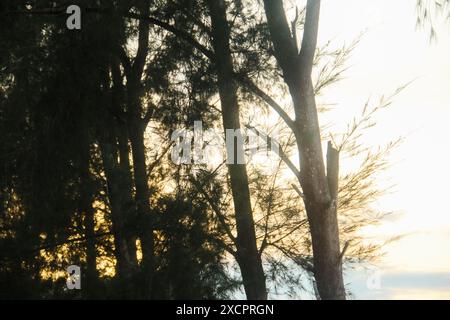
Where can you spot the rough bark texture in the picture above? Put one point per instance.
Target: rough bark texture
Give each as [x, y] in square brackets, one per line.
[319, 190]
[248, 258]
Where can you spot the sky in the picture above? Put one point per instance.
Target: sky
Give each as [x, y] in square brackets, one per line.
[393, 52]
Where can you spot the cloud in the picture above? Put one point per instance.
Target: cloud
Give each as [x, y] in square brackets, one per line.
[400, 285]
[419, 294]
[416, 280]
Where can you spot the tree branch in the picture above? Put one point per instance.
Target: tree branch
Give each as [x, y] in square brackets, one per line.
[297, 189]
[251, 86]
[342, 254]
[215, 208]
[280, 153]
[137, 16]
[333, 170]
[142, 51]
[179, 33]
[285, 51]
[309, 41]
[126, 63]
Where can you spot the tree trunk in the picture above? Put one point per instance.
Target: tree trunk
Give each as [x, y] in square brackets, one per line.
[87, 210]
[320, 191]
[320, 204]
[136, 129]
[122, 215]
[249, 259]
[145, 226]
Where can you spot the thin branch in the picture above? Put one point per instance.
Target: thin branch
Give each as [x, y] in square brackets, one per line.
[179, 33]
[215, 208]
[158, 158]
[341, 256]
[251, 86]
[280, 153]
[297, 189]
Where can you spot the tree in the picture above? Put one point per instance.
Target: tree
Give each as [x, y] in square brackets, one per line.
[320, 186]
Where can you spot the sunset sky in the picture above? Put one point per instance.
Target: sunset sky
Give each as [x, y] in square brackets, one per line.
[393, 52]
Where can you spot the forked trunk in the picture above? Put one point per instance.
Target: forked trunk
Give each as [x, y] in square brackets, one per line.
[319, 187]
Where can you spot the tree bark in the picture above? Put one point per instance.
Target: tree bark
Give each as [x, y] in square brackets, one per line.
[319, 191]
[248, 257]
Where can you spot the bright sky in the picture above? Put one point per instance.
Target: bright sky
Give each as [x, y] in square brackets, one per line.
[393, 52]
